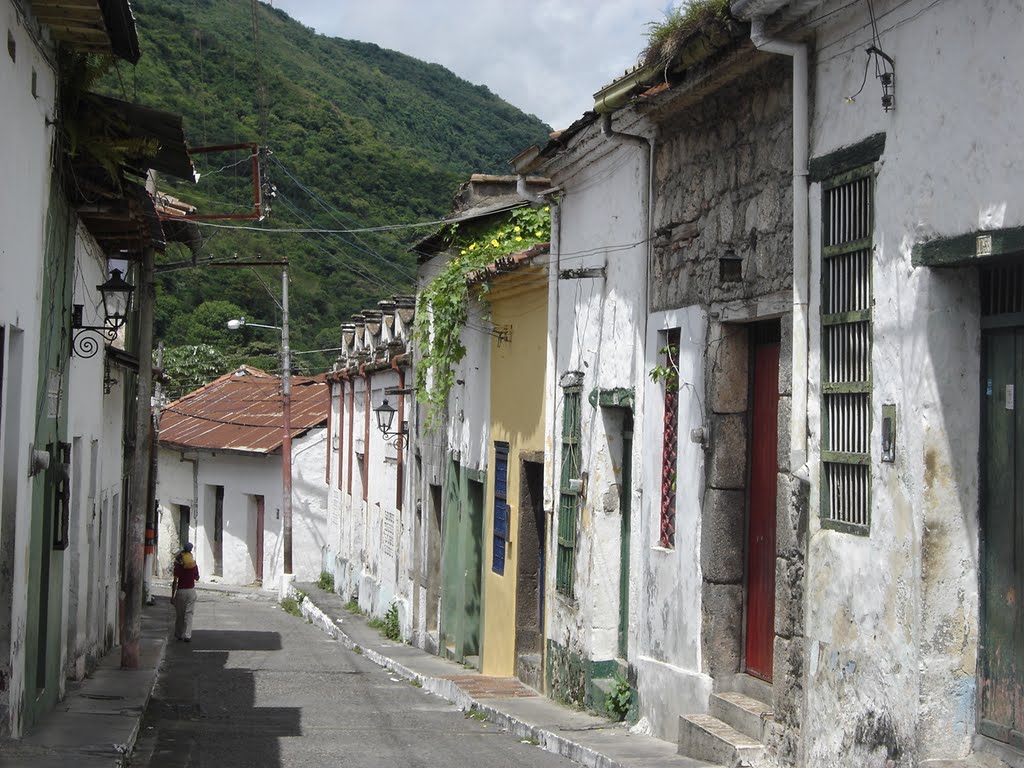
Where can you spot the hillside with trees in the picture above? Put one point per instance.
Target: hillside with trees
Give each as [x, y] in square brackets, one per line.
[357, 137]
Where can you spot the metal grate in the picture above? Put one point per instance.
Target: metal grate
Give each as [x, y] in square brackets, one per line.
[569, 495]
[1002, 290]
[846, 313]
[849, 203]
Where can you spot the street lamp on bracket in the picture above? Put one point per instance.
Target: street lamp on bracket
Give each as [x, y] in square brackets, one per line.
[385, 419]
[116, 293]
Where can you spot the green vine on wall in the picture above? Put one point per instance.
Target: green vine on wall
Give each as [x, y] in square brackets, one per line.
[442, 307]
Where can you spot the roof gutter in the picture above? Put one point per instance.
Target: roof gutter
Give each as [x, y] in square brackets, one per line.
[801, 235]
[615, 96]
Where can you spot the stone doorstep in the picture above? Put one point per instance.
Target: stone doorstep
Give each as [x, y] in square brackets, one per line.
[481, 686]
[705, 737]
[751, 686]
[744, 713]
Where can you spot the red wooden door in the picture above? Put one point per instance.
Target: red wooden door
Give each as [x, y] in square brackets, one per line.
[259, 538]
[760, 629]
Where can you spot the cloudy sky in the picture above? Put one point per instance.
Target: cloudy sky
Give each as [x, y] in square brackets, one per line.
[546, 57]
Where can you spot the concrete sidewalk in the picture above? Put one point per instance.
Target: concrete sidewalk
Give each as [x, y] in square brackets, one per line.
[588, 739]
[97, 723]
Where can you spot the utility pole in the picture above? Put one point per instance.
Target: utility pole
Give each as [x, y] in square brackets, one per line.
[135, 531]
[151, 516]
[286, 442]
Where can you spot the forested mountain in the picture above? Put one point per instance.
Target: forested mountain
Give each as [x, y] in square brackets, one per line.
[358, 136]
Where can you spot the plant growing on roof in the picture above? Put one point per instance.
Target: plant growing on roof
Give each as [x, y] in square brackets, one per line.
[86, 127]
[443, 305]
[667, 38]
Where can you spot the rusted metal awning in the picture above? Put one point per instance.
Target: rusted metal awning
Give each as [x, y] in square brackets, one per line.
[241, 411]
[92, 26]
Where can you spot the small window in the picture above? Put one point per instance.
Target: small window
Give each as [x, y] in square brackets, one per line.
[501, 522]
[846, 338]
[12, 47]
[35, 84]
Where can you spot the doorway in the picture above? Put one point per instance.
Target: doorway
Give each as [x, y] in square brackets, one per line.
[530, 573]
[1001, 665]
[761, 500]
[218, 530]
[260, 516]
[184, 523]
[433, 557]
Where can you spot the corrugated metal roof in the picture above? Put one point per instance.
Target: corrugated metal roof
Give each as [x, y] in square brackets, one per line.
[241, 411]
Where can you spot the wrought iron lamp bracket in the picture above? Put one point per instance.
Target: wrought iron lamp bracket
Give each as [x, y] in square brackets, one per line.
[86, 340]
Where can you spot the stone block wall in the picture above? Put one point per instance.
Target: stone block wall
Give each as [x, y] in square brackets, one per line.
[723, 189]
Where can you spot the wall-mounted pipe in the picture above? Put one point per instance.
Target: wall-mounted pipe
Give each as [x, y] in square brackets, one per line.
[801, 239]
[646, 202]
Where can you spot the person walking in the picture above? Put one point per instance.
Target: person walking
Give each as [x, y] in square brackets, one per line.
[183, 592]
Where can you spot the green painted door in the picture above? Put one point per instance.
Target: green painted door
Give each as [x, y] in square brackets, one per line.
[625, 493]
[461, 562]
[1001, 658]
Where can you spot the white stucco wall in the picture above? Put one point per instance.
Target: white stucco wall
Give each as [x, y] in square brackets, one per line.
[175, 487]
[667, 632]
[245, 476]
[95, 422]
[25, 167]
[600, 327]
[597, 327]
[373, 553]
[892, 618]
[469, 403]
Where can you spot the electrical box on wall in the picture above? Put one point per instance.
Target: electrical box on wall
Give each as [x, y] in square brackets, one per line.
[889, 433]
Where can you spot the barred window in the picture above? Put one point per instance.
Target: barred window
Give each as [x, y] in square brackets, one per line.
[669, 440]
[569, 494]
[846, 337]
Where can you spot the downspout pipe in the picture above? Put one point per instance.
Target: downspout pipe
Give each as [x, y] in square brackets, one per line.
[646, 204]
[801, 239]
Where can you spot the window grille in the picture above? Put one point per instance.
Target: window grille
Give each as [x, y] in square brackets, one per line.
[846, 338]
[669, 442]
[1002, 291]
[569, 495]
[500, 507]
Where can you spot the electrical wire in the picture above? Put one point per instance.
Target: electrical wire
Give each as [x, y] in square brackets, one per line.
[333, 212]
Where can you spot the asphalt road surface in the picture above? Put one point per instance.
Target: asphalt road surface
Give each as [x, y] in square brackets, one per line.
[259, 688]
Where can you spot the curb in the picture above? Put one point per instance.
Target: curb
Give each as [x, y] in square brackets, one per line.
[125, 759]
[546, 739]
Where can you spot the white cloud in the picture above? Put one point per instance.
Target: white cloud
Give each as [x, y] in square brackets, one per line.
[546, 57]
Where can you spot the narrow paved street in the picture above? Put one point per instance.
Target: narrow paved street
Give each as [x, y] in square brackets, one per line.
[258, 687]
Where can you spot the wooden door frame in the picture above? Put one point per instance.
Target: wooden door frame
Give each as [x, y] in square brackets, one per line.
[752, 346]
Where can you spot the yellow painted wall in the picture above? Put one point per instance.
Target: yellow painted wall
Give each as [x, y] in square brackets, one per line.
[519, 302]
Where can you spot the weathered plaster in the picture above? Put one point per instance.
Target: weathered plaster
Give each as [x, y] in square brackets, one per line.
[892, 620]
